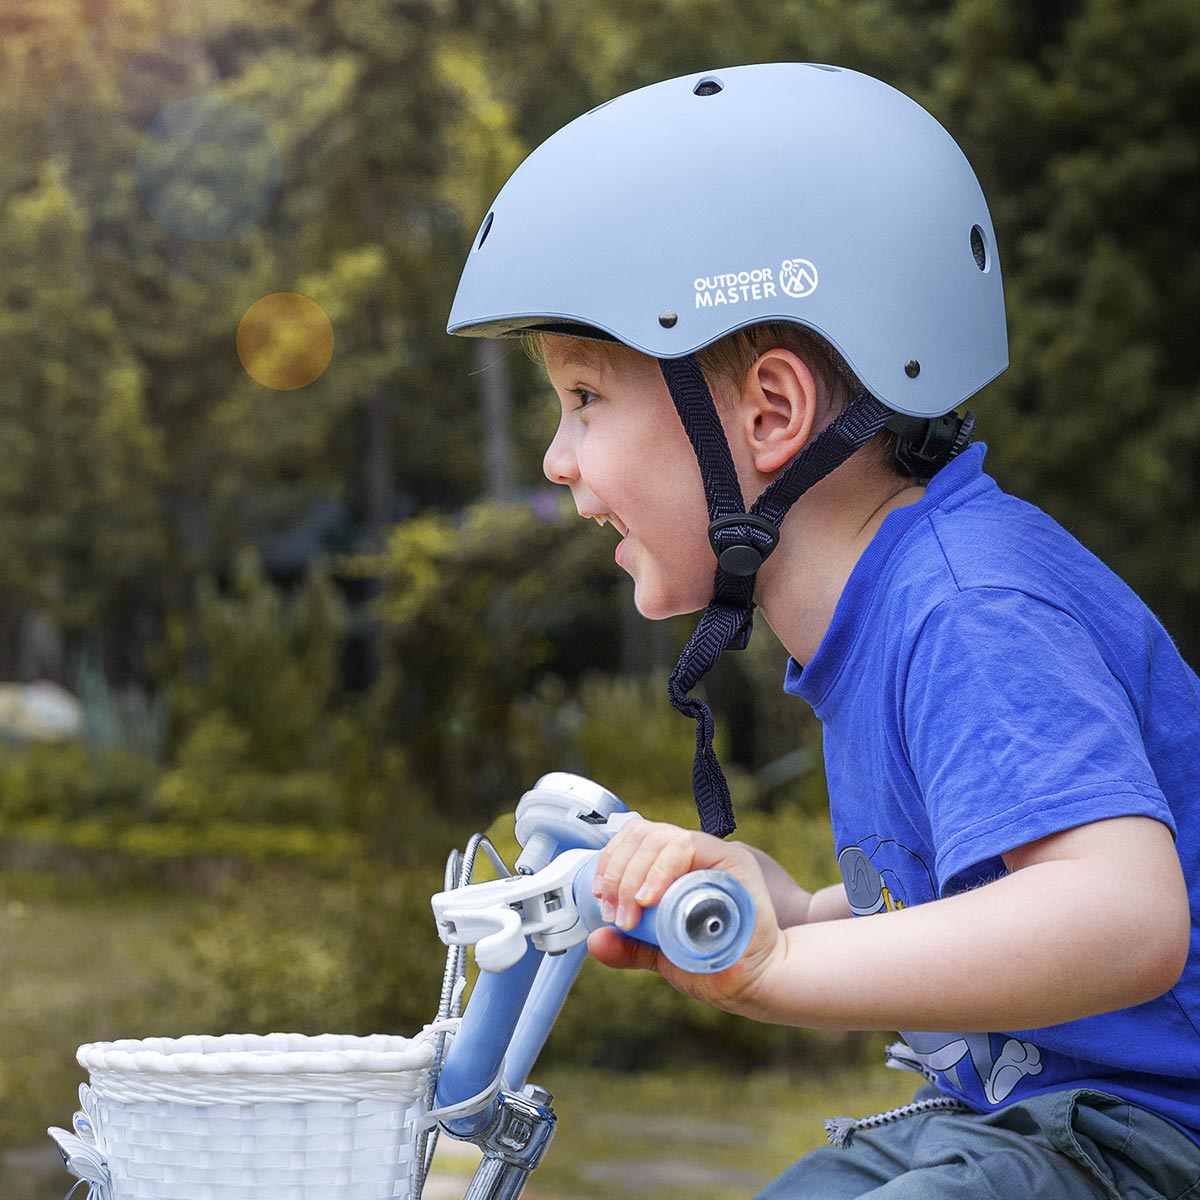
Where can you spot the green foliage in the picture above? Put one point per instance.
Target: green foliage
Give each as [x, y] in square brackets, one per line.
[501, 661]
[216, 778]
[267, 763]
[471, 612]
[618, 730]
[622, 731]
[484, 148]
[286, 951]
[265, 663]
[67, 785]
[78, 525]
[120, 718]
[265, 743]
[68, 806]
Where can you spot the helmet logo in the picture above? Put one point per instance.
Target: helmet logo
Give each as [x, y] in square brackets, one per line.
[798, 277]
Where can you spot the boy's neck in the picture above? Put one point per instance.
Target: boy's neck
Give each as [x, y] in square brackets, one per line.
[824, 536]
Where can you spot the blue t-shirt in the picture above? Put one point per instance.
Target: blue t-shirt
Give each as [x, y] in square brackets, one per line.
[986, 682]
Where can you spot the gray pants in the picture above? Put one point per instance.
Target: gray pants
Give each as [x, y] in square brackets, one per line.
[1078, 1145]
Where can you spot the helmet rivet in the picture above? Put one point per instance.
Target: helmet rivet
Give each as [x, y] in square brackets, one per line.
[912, 368]
[667, 318]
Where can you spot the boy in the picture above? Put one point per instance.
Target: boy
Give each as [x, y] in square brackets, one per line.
[808, 257]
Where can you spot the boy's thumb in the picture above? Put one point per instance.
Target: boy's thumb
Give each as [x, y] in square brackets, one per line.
[613, 949]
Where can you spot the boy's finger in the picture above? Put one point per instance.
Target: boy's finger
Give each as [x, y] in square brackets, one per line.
[613, 860]
[618, 848]
[664, 854]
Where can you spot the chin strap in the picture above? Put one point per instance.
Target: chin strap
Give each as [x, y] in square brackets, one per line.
[741, 540]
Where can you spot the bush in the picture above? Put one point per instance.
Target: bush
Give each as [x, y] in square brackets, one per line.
[285, 950]
[67, 783]
[268, 663]
[217, 779]
[472, 613]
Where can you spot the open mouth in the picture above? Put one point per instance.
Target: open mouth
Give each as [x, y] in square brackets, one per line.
[603, 519]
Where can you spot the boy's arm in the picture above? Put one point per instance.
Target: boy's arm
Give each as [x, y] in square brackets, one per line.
[1089, 920]
[793, 904]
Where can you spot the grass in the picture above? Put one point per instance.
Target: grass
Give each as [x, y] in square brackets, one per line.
[76, 965]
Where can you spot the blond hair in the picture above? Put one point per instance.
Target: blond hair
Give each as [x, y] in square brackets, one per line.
[726, 362]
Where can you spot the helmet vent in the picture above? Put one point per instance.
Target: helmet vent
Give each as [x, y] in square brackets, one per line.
[708, 87]
[487, 228]
[979, 247]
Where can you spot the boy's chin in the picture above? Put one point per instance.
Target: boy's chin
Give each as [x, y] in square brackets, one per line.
[656, 605]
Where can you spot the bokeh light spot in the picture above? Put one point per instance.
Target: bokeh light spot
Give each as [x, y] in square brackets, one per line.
[208, 169]
[285, 341]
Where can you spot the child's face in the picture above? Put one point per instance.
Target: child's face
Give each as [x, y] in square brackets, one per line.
[622, 451]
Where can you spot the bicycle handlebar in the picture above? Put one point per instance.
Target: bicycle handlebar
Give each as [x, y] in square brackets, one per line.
[528, 930]
[703, 924]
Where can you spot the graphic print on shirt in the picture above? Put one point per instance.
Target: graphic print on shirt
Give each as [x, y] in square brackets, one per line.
[882, 875]
[945, 1053]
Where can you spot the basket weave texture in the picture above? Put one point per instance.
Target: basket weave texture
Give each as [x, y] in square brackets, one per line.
[243, 1117]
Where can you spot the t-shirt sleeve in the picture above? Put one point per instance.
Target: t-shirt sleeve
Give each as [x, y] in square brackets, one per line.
[1016, 728]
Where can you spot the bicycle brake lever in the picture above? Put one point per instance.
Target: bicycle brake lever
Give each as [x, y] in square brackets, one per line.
[498, 916]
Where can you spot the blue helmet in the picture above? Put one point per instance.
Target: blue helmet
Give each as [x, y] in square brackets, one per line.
[679, 213]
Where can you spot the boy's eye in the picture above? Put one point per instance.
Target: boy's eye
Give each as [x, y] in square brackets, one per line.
[584, 396]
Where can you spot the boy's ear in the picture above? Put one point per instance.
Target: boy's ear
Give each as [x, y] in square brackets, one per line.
[778, 409]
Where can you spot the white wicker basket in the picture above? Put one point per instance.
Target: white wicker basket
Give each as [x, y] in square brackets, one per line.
[243, 1117]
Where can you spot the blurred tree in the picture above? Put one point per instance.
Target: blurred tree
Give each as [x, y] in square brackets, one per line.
[118, 330]
[1081, 119]
[483, 150]
[80, 530]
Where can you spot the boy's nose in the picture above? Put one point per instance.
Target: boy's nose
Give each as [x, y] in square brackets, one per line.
[558, 463]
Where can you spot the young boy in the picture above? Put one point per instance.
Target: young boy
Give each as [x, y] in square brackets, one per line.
[777, 282]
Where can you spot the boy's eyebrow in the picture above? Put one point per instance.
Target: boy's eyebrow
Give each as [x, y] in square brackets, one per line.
[575, 358]
[582, 354]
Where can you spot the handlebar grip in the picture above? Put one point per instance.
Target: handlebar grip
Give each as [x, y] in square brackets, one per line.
[702, 924]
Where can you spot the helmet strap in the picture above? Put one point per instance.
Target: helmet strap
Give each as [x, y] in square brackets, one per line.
[742, 540]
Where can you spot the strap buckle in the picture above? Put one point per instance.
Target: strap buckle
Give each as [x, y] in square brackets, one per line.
[742, 557]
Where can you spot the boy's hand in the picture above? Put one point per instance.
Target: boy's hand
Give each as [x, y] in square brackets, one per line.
[633, 872]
